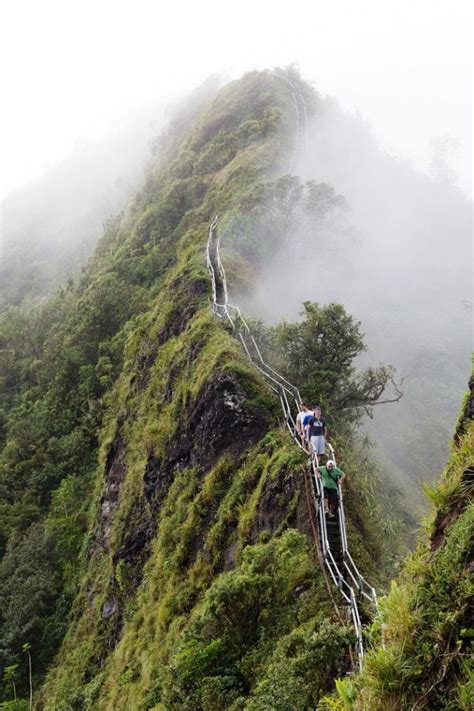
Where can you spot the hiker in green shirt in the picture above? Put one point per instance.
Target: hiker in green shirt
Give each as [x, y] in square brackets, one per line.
[330, 476]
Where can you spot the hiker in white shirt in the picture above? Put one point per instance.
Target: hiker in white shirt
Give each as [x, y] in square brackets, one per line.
[305, 410]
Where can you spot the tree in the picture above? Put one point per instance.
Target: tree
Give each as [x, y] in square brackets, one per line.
[284, 218]
[30, 585]
[9, 675]
[318, 353]
[26, 648]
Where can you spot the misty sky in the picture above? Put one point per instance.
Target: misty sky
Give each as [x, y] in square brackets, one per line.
[73, 71]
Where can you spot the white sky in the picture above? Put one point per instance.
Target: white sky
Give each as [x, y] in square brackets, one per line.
[72, 70]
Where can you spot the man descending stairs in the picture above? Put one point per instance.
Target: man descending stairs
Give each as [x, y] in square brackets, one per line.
[331, 477]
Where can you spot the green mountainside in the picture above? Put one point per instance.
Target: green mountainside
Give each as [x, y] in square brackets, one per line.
[157, 548]
[427, 619]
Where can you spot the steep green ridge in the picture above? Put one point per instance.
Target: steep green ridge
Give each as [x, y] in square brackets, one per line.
[427, 617]
[153, 515]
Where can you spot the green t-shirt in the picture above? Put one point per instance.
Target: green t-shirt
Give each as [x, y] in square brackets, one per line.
[329, 480]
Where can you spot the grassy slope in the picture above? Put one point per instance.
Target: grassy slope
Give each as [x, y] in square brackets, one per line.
[196, 589]
[427, 616]
[208, 511]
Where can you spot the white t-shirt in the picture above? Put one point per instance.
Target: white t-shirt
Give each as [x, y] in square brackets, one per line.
[301, 415]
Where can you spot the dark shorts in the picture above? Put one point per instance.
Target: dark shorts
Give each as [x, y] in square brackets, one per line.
[331, 495]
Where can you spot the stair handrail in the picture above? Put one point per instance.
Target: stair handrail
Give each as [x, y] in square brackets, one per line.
[279, 384]
[365, 589]
[345, 589]
[283, 388]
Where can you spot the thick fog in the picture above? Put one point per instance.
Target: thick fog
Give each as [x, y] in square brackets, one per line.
[400, 260]
[50, 226]
[411, 245]
[77, 70]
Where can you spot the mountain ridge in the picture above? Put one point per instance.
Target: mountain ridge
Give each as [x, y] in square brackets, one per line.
[144, 465]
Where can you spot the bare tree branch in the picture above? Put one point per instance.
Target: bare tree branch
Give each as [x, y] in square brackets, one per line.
[398, 393]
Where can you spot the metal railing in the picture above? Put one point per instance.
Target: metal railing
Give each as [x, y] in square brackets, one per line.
[301, 115]
[346, 577]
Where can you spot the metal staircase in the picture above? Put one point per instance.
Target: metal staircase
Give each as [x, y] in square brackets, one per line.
[343, 572]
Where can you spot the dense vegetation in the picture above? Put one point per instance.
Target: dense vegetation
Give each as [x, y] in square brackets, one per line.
[156, 545]
[426, 661]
